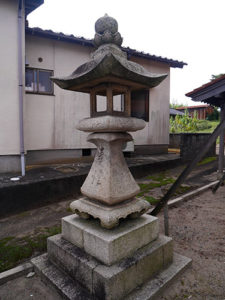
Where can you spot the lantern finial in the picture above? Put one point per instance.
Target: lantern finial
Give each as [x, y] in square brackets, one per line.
[106, 29]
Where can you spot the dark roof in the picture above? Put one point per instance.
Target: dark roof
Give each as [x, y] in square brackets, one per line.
[194, 106]
[31, 5]
[212, 92]
[175, 112]
[89, 43]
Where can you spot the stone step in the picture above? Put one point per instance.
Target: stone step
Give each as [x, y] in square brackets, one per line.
[69, 289]
[116, 281]
[152, 289]
[66, 287]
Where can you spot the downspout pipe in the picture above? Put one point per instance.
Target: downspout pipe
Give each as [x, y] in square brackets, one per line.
[20, 74]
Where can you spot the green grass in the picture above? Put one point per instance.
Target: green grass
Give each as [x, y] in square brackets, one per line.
[211, 126]
[207, 160]
[155, 181]
[151, 200]
[182, 190]
[14, 250]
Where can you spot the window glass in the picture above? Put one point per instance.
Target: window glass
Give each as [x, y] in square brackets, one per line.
[38, 81]
[44, 82]
[29, 80]
[140, 104]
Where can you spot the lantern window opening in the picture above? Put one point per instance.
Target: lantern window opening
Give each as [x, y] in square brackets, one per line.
[110, 99]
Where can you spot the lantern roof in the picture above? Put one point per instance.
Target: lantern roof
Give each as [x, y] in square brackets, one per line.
[108, 64]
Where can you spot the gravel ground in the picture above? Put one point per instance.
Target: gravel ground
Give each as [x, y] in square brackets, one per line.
[198, 231]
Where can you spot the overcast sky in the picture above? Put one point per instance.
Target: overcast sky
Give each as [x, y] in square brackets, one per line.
[191, 31]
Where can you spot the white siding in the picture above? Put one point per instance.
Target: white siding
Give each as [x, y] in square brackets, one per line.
[51, 120]
[9, 91]
[157, 129]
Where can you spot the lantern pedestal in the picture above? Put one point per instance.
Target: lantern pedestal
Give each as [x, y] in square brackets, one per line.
[129, 262]
[109, 180]
[109, 216]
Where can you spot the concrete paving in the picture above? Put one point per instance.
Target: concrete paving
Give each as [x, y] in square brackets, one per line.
[24, 288]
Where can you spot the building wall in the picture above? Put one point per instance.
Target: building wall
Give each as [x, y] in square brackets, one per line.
[51, 120]
[9, 90]
[156, 131]
[9, 112]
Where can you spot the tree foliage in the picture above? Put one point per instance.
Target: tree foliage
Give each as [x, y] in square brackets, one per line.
[183, 123]
[214, 115]
[175, 104]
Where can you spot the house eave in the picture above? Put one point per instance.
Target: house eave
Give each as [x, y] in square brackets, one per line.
[212, 93]
[89, 43]
[31, 5]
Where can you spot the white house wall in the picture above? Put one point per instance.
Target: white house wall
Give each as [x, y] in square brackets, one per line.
[54, 126]
[51, 120]
[156, 131]
[9, 90]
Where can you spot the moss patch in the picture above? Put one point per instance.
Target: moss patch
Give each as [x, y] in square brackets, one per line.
[14, 250]
[155, 181]
[207, 160]
[151, 199]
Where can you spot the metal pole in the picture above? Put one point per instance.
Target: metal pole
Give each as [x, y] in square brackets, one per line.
[166, 220]
[221, 146]
[20, 74]
[189, 168]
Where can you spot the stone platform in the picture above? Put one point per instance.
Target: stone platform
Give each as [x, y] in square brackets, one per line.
[67, 288]
[109, 264]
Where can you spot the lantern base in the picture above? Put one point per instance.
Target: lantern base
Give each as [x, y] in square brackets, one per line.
[109, 216]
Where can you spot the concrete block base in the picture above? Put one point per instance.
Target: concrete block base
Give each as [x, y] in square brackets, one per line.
[100, 281]
[70, 289]
[110, 246]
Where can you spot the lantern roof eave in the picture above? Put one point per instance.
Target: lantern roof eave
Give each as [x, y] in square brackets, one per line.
[109, 65]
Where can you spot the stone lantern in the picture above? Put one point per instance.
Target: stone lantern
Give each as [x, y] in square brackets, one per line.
[109, 188]
[89, 261]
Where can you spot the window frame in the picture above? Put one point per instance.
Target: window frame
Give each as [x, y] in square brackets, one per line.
[37, 92]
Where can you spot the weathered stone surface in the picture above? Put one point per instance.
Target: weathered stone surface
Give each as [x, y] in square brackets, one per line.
[109, 179]
[104, 282]
[66, 287]
[73, 260]
[108, 61]
[114, 245]
[109, 216]
[115, 67]
[110, 123]
[118, 280]
[153, 288]
[107, 31]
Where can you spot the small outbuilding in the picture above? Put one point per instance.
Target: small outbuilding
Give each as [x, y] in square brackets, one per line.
[213, 93]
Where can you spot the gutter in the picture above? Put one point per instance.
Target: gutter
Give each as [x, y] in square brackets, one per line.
[20, 75]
